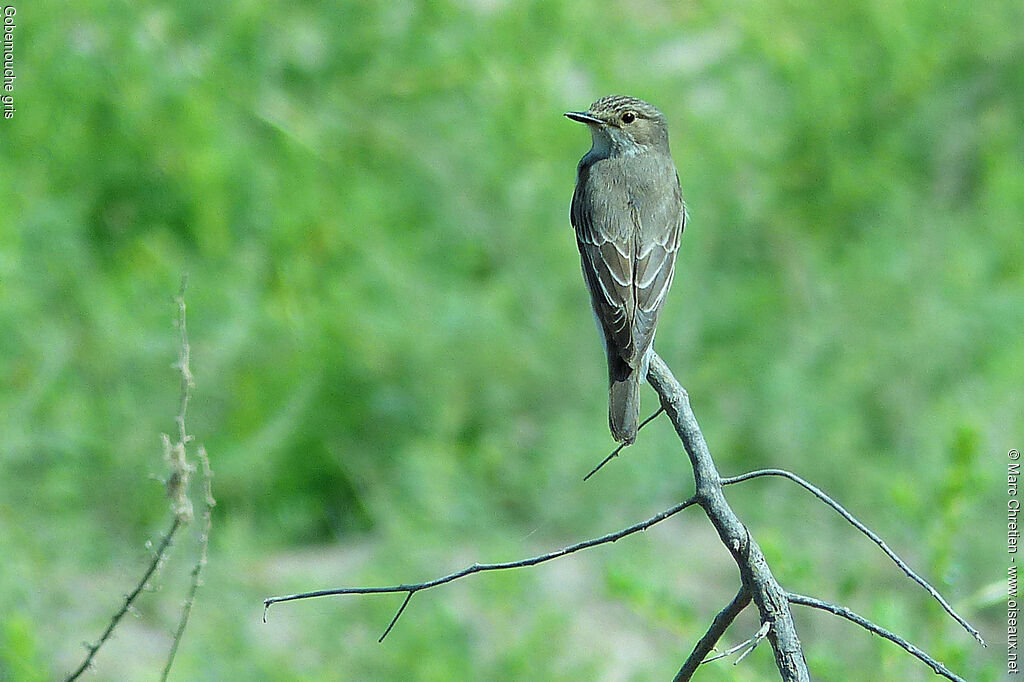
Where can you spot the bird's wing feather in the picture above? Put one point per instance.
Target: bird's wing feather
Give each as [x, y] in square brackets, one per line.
[628, 251]
[604, 237]
[660, 224]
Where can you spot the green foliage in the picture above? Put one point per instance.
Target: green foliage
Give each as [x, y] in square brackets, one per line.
[396, 368]
[20, 658]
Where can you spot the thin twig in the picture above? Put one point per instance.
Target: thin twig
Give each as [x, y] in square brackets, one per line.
[480, 568]
[754, 641]
[866, 531]
[181, 470]
[394, 620]
[177, 492]
[849, 615]
[718, 627]
[161, 550]
[750, 642]
[204, 543]
[617, 450]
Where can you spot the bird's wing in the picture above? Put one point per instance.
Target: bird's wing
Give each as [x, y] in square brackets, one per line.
[660, 224]
[604, 235]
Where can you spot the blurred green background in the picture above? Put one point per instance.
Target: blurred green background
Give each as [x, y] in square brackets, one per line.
[397, 370]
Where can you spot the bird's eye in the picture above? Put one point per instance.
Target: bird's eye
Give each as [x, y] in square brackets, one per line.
[628, 117]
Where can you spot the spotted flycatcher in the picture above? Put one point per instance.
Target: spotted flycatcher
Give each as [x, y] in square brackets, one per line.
[628, 214]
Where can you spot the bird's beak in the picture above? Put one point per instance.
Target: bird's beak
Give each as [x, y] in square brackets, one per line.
[583, 117]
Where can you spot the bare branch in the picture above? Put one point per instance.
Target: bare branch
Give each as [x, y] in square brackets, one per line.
[758, 584]
[177, 491]
[718, 627]
[849, 615]
[158, 557]
[866, 531]
[755, 573]
[617, 450]
[480, 568]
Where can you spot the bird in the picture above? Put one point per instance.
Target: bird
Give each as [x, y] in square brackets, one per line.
[628, 214]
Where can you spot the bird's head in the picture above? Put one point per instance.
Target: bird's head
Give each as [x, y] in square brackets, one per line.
[624, 126]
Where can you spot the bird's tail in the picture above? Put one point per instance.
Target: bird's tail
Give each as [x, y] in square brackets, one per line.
[624, 401]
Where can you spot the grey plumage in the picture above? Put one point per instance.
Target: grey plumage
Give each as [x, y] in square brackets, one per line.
[628, 214]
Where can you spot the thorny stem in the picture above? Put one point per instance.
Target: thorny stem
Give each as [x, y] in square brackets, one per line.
[161, 550]
[181, 505]
[197, 570]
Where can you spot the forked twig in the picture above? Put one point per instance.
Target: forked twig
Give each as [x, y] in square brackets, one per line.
[480, 568]
[718, 627]
[755, 573]
[849, 615]
[824, 497]
[758, 584]
[181, 505]
[158, 557]
[748, 644]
